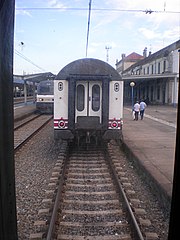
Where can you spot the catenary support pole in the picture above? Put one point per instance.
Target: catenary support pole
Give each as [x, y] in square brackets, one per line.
[25, 92]
[8, 222]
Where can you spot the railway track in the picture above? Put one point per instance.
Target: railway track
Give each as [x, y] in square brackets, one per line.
[25, 120]
[94, 200]
[28, 128]
[91, 206]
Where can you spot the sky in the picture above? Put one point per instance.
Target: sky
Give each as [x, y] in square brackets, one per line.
[49, 34]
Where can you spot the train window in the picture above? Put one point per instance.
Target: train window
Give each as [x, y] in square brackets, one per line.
[45, 87]
[80, 97]
[116, 87]
[95, 98]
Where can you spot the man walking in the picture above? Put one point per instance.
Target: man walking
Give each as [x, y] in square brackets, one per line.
[136, 110]
[142, 109]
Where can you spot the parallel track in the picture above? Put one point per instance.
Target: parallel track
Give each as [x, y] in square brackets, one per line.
[28, 129]
[25, 120]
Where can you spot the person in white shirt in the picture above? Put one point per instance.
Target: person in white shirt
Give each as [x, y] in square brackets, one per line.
[136, 110]
[142, 109]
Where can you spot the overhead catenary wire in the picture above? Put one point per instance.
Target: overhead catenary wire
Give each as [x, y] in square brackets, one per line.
[147, 11]
[89, 19]
[28, 60]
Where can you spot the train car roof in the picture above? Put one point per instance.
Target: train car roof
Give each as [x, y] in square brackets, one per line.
[88, 68]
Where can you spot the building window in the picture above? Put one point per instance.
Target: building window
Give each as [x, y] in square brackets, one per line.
[159, 68]
[147, 70]
[138, 72]
[152, 69]
[164, 66]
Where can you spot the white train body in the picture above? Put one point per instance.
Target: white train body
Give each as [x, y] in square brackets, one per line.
[61, 104]
[88, 101]
[44, 98]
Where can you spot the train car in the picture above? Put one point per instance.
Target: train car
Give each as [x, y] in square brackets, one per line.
[45, 97]
[88, 101]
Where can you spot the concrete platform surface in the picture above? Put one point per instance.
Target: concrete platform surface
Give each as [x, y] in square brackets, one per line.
[151, 142]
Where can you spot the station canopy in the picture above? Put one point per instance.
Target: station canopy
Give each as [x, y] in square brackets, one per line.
[33, 78]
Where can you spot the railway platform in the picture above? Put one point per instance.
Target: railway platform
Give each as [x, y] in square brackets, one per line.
[151, 144]
[23, 110]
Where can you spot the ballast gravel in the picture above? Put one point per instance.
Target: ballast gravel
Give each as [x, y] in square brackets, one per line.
[33, 169]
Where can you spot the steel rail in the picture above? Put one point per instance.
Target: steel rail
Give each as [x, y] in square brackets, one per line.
[138, 233]
[26, 122]
[56, 203]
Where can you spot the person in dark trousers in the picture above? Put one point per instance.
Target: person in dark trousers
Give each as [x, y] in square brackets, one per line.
[136, 110]
[142, 108]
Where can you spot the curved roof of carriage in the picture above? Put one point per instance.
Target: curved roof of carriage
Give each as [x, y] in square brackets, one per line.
[88, 68]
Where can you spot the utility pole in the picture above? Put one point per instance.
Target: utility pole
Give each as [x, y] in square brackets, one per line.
[107, 54]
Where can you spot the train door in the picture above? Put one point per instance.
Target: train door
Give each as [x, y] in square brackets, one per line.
[88, 100]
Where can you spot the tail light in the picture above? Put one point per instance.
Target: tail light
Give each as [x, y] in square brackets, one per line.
[61, 124]
[115, 123]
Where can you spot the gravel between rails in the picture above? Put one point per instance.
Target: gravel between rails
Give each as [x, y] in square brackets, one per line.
[33, 168]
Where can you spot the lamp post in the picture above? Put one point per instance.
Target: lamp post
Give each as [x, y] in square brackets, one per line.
[132, 84]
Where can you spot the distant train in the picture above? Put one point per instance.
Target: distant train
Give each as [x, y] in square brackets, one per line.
[88, 101]
[45, 97]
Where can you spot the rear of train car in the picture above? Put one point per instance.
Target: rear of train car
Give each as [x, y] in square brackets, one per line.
[88, 101]
[45, 97]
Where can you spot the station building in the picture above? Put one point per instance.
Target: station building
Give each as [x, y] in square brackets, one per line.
[151, 77]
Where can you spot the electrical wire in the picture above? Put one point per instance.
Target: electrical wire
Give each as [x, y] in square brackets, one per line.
[147, 11]
[28, 60]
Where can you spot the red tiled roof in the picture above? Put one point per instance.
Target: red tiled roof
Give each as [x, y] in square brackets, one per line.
[134, 56]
